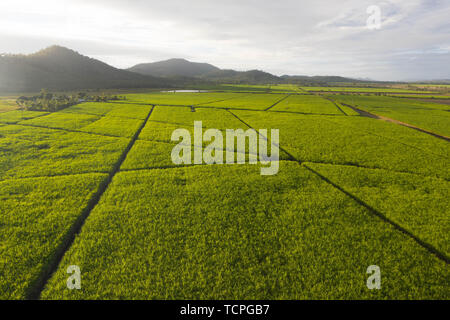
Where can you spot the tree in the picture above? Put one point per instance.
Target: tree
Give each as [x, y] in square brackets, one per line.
[81, 95]
[22, 101]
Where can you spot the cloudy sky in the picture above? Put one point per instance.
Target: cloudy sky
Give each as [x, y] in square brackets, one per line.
[314, 37]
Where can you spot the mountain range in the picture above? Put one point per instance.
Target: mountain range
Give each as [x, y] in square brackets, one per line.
[173, 68]
[59, 68]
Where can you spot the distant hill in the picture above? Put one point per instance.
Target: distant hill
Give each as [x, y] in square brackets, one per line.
[319, 79]
[252, 76]
[177, 68]
[59, 68]
[174, 68]
[437, 81]
[181, 68]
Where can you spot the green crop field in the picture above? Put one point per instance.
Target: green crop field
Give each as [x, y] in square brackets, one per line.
[431, 116]
[181, 98]
[94, 186]
[37, 215]
[15, 116]
[421, 96]
[231, 244]
[32, 151]
[7, 104]
[362, 89]
[307, 104]
[249, 101]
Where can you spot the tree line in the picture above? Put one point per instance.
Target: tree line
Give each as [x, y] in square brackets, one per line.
[51, 102]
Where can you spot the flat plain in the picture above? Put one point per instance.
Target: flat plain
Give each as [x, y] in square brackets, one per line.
[93, 185]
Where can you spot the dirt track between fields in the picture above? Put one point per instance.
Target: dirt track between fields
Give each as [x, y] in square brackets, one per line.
[441, 101]
[364, 113]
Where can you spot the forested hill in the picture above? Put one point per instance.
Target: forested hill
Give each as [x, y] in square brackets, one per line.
[174, 68]
[59, 68]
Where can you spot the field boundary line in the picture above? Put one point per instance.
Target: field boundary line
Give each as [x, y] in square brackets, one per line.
[303, 91]
[330, 163]
[16, 122]
[98, 115]
[71, 130]
[431, 249]
[305, 113]
[375, 116]
[374, 168]
[244, 109]
[281, 148]
[187, 105]
[282, 99]
[53, 175]
[293, 160]
[369, 92]
[272, 111]
[334, 102]
[175, 166]
[391, 139]
[35, 290]
[214, 101]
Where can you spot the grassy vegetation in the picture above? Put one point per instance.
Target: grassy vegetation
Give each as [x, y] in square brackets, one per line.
[275, 88]
[307, 104]
[432, 85]
[7, 104]
[347, 110]
[94, 108]
[321, 139]
[396, 133]
[224, 231]
[30, 151]
[154, 145]
[115, 126]
[427, 115]
[417, 203]
[130, 111]
[179, 98]
[254, 101]
[216, 88]
[165, 120]
[148, 154]
[36, 215]
[421, 96]
[287, 88]
[247, 87]
[122, 122]
[241, 241]
[59, 120]
[363, 89]
[151, 154]
[222, 100]
[19, 115]
[118, 109]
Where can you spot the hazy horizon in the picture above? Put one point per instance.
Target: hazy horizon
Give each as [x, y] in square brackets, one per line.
[286, 37]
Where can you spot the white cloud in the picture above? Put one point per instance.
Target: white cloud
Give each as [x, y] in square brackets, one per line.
[283, 37]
